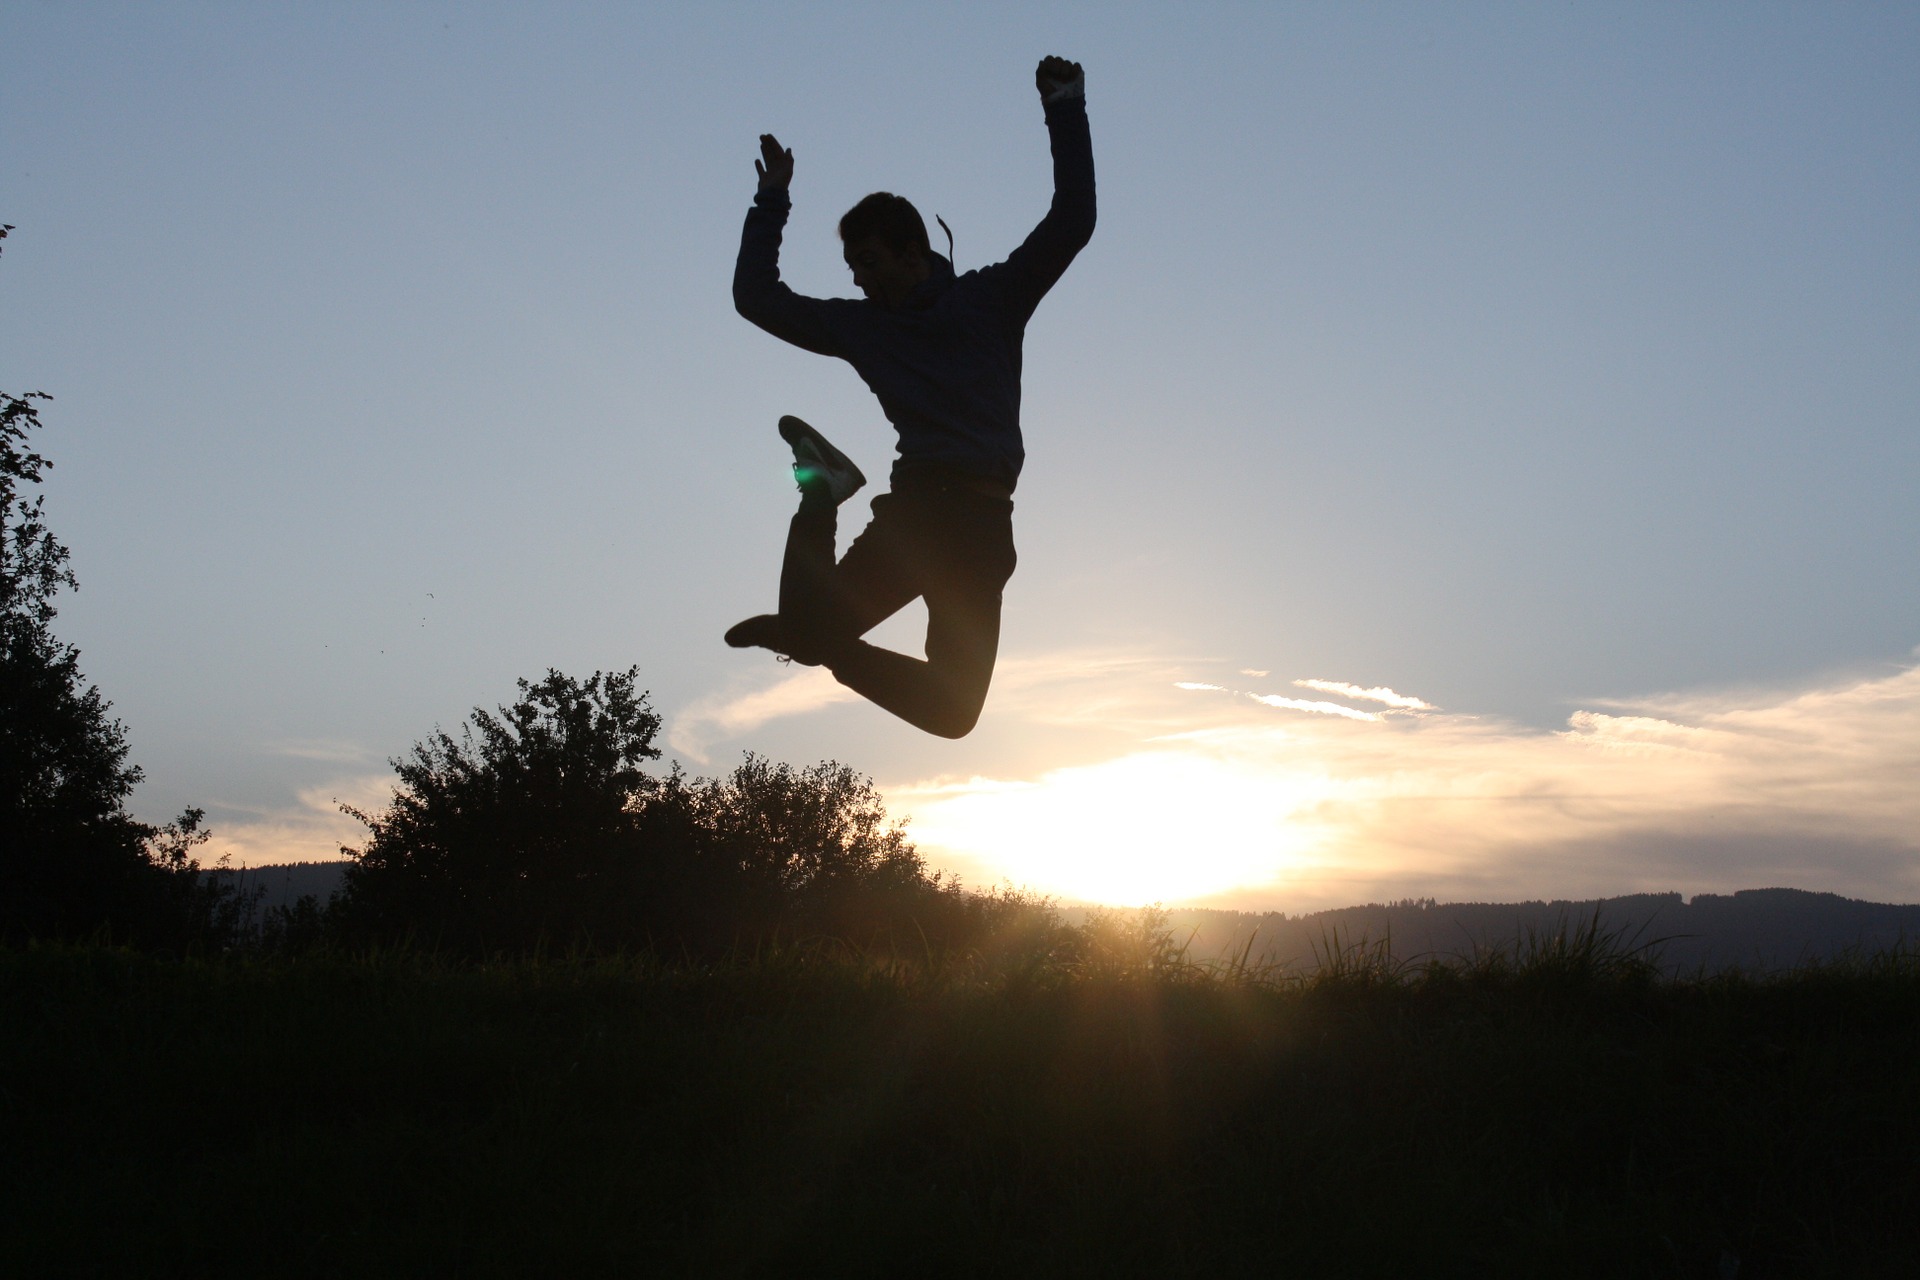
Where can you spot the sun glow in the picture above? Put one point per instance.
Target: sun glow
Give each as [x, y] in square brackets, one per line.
[1162, 825]
[1263, 800]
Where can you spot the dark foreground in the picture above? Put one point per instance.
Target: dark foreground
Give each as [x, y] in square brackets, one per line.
[1565, 1115]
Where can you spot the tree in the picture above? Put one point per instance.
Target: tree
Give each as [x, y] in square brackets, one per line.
[539, 825]
[805, 850]
[72, 859]
[518, 831]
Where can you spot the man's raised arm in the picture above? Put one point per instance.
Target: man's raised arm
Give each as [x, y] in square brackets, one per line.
[758, 292]
[1069, 222]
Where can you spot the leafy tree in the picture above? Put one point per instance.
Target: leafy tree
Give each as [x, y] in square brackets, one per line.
[511, 833]
[539, 825]
[806, 850]
[72, 859]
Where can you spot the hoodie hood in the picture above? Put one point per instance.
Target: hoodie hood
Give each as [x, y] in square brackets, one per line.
[927, 292]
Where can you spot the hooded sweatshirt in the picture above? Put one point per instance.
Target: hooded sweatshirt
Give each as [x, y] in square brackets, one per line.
[945, 365]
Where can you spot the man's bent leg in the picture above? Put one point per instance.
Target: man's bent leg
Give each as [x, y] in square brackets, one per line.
[826, 606]
[806, 574]
[801, 629]
[965, 556]
[942, 695]
[807, 625]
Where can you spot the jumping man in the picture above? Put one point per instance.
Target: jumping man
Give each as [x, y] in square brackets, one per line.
[942, 354]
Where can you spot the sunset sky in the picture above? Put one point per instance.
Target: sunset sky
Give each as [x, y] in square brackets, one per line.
[1476, 457]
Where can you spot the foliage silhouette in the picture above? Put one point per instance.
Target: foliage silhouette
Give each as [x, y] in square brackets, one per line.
[538, 827]
[73, 861]
[772, 848]
[511, 833]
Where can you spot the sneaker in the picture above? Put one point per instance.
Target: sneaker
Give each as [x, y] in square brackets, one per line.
[762, 630]
[766, 631]
[817, 462]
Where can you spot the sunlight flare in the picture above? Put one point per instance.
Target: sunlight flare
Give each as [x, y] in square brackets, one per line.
[1809, 788]
[1167, 824]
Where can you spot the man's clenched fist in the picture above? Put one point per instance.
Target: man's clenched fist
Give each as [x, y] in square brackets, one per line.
[1057, 78]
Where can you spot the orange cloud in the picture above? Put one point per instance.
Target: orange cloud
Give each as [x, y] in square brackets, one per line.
[1808, 786]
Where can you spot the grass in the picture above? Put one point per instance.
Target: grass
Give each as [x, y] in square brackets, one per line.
[1555, 1109]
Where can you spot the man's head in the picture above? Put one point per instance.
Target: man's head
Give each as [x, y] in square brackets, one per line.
[885, 244]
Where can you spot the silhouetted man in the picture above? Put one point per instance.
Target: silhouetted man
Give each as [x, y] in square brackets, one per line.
[943, 356]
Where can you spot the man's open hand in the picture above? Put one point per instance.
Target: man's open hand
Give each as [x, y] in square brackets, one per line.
[1057, 78]
[775, 166]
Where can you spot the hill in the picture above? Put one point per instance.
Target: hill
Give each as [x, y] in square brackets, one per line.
[283, 884]
[1759, 930]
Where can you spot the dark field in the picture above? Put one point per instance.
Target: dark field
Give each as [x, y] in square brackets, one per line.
[1563, 1113]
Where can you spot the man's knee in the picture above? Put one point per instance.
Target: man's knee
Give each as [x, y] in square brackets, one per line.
[955, 723]
[926, 700]
[960, 690]
[955, 715]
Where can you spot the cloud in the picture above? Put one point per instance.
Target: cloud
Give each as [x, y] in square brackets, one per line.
[1151, 784]
[328, 751]
[1389, 697]
[1696, 792]
[310, 829]
[1285, 703]
[1318, 708]
[712, 719]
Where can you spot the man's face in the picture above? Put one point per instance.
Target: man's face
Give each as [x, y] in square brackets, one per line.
[883, 273]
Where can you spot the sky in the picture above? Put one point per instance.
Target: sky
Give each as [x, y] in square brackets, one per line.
[1474, 457]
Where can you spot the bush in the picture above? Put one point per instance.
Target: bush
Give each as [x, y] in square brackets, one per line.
[538, 827]
[518, 831]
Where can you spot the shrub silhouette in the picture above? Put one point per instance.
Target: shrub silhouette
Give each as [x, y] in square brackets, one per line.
[509, 834]
[539, 827]
[777, 849]
[73, 861]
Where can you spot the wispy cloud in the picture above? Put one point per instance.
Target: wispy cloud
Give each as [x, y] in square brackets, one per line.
[309, 829]
[1399, 701]
[1318, 708]
[1284, 703]
[1811, 786]
[726, 716]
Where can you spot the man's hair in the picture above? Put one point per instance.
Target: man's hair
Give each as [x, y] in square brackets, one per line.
[890, 219]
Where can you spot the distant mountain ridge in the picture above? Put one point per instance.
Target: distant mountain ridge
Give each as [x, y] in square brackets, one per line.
[285, 883]
[1753, 929]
